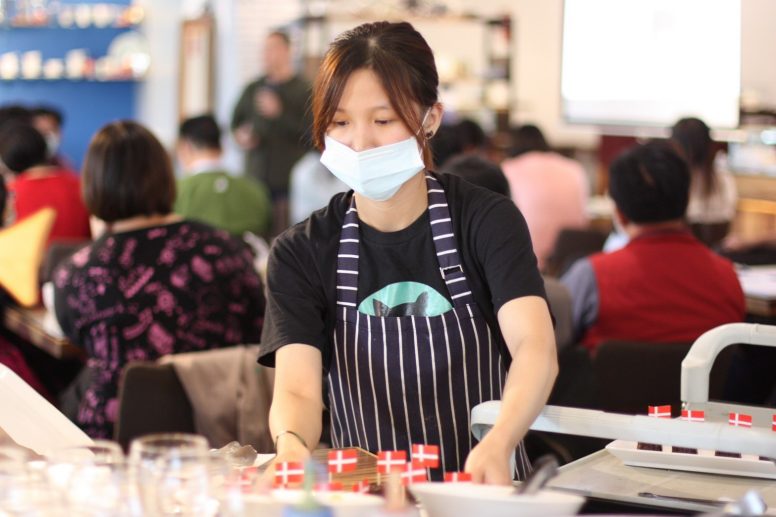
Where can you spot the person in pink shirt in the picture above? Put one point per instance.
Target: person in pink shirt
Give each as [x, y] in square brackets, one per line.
[549, 189]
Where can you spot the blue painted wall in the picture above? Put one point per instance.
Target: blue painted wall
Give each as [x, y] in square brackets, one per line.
[86, 105]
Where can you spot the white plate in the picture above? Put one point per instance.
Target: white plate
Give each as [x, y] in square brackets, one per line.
[468, 500]
[343, 504]
[705, 461]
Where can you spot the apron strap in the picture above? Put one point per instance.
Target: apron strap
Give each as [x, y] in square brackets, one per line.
[347, 259]
[450, 265]
[448, 258]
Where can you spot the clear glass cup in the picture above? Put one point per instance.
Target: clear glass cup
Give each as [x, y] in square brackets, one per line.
[24, 487]
[94, 480]
[174, 475]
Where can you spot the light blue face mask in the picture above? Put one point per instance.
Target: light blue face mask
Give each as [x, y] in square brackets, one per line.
[376, 173]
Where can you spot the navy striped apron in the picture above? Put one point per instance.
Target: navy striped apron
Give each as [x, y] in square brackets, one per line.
[395, 381]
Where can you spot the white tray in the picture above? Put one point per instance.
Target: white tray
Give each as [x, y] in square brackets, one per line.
[705, 461]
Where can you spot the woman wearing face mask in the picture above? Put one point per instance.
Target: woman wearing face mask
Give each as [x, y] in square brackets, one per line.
[413, 297]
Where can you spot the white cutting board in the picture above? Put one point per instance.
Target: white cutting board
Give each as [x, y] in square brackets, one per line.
[31, 421]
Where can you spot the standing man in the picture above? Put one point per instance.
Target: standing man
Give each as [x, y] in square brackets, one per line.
[270, 121]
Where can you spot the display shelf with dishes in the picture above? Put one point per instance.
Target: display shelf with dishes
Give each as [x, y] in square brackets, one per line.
[54, 14]
[85, 58]
[127, 59]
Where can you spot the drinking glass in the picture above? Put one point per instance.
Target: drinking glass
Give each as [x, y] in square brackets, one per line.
[93, 480]
[24, 488]
[173, 473]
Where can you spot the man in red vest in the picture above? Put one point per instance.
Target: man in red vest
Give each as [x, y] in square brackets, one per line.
[664, 286]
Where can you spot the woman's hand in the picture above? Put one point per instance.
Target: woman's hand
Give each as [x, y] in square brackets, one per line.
[488, 462]
[288, 451]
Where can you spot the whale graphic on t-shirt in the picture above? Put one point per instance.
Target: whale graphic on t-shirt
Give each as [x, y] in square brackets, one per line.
[405, 299]
[416, 308]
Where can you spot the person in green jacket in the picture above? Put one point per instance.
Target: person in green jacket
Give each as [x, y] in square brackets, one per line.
[270, 122]
[209, 193]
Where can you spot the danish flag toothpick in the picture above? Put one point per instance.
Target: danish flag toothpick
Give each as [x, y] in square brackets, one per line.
[426, 455]
[693, 416]
[740, 420]
[361, 487]
[247, 477]
[457, 477]
[414, 472]
[289, 472]
[660, 411]
[389, 461]
[342, 461]
[332, 486]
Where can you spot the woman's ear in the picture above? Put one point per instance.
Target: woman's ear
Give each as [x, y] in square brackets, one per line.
[433, 120]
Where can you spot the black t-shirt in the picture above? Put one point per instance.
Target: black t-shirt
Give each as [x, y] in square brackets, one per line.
[492, 240]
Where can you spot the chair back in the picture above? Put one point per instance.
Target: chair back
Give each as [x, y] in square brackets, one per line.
[573, 244]
[559, 300]
[633, 375]
[710, 234]
[151, 400]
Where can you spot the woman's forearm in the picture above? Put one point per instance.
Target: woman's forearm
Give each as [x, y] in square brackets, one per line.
[527, 329]
[529, 383]
[297, 413]
[297, 404]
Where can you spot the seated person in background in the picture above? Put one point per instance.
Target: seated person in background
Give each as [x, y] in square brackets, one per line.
[152, 284]
[664, 285]
[36, 184]
[713, 194]
[208, 193]
[446, 143]
[451, 140]
[14, 113]
[478, 171]
[549, 189]
[473, 138]
[48, 121]
[311, 186]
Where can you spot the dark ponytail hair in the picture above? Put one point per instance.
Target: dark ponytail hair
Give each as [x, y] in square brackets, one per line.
[401, 59]
[697, 147]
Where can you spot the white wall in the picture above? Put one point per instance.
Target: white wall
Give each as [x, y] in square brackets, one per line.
[158, 94]
[758, 73]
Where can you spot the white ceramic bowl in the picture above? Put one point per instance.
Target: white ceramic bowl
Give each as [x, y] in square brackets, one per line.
[467, 500]
[343, 504]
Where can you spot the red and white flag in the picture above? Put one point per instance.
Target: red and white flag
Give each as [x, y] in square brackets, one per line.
[361, 487]
[740, 420]
[247, 477]
[693, 416]
[660, 411]
[773, 423]
[342, 461]
[334, 486]
[390, 461]
[289, 472]
[457, 477]
[414, 472]
[426, 455]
